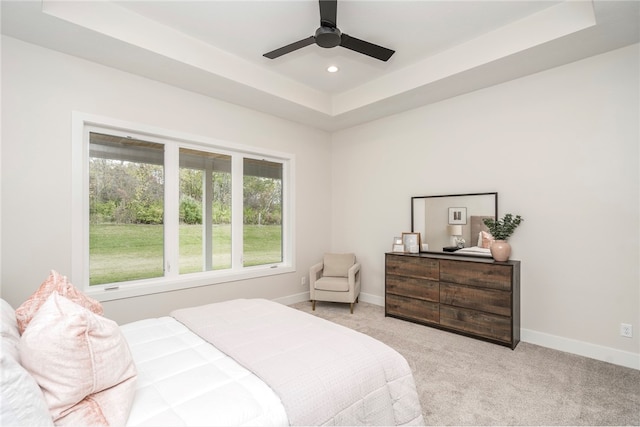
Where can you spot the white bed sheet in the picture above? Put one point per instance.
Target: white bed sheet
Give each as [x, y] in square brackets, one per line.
[474, 250]
[185, 381]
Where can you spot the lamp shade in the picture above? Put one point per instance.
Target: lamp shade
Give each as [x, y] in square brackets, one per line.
[455, 230]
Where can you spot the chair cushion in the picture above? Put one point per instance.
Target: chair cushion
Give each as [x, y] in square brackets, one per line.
[337, 265]
[336, 284]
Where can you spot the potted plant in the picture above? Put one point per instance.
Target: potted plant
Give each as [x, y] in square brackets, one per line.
[501, 230]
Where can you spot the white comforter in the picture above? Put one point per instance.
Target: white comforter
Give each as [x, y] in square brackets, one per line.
[324, 374]
[185, 381]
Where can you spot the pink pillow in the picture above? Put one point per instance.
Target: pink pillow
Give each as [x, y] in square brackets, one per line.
[59, 283]
[487, 239]
[82, 363]
[105, 408]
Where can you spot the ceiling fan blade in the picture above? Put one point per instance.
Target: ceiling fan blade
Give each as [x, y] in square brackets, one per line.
[366, 48]
[328, 12]
[290, 48]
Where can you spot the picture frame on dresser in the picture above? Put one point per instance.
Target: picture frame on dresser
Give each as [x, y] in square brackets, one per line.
[411, 240]
[397, 246]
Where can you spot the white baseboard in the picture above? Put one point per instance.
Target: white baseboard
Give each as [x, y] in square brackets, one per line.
[293, 299]
[581, 348]
[304, 296]
[372, 299]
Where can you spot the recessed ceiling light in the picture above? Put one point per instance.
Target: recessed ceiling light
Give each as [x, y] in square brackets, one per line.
[332, 69]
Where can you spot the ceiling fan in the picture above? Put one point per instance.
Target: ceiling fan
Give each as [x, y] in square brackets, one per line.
[328, 35]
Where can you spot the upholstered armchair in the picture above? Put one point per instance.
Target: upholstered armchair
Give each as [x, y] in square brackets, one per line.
[335, 279]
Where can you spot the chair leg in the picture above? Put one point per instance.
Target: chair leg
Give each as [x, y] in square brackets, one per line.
[351, 308]
[313, 305]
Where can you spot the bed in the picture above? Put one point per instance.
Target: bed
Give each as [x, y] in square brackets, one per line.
[183, 380]
[239, 362]
[480, 238]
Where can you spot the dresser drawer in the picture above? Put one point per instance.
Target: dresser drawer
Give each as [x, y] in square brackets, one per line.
[412, 287]
[489, 300]
[410, 308]
[476, 323]
[425, 268]
[494, 276]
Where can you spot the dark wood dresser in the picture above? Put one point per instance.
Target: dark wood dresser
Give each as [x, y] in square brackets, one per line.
[476, 297]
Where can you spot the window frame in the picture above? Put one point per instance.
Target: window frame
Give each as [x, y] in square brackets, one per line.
[83, 123]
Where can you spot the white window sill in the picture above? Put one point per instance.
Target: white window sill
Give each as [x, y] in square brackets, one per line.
[154, 286]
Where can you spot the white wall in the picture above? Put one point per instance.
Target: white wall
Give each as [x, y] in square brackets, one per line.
[40, 89]
[561, 149]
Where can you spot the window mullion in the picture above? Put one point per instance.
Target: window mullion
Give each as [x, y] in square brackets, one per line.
[288, 247]
[237, 216]
[171, 211]
[207, 215]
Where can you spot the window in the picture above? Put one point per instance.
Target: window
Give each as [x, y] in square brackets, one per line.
[158, 211]
[262, 214]
[126, 209]
[205, 211]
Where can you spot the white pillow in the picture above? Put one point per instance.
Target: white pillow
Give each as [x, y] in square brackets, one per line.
[21, 400]
[74, 355]
[9, 331]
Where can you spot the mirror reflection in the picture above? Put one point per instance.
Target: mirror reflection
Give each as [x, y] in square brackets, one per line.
[448, 223]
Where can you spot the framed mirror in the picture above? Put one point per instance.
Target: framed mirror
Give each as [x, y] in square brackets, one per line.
[448, 222]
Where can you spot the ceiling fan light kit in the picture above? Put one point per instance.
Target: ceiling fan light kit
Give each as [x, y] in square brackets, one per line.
[328, 35]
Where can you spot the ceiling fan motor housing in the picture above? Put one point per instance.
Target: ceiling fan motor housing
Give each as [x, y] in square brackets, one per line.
[328, 37]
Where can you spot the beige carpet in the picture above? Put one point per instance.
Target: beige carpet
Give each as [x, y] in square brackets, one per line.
[464, 381]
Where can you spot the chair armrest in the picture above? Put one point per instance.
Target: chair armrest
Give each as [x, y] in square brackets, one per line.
[353, 272]
[315, 272]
